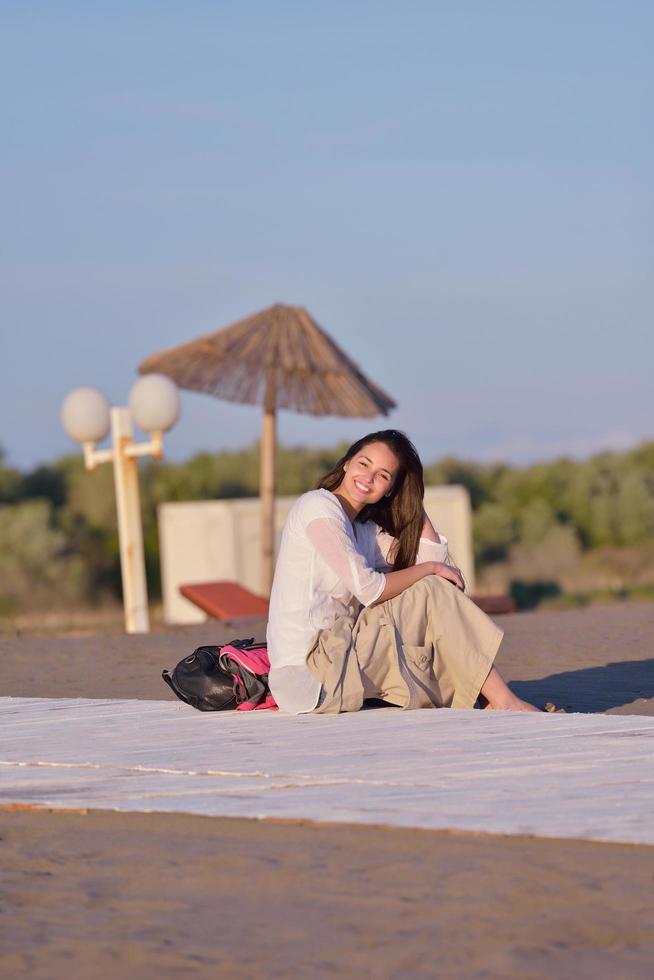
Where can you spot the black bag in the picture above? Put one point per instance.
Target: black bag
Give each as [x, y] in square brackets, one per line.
[223, 678]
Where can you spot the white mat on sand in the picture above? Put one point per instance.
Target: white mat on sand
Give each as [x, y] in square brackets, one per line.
[582, 776]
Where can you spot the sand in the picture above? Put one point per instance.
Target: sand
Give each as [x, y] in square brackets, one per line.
[148, 895]
[600, 658]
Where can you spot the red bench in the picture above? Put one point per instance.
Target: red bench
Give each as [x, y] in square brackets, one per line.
[225, 600]
[495, 605]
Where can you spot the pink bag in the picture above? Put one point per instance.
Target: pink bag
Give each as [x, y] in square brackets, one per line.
[249, 667]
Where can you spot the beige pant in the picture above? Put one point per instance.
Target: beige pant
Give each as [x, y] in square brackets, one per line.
[429, 647]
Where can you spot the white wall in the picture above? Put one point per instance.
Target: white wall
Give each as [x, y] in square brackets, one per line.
[207, 540]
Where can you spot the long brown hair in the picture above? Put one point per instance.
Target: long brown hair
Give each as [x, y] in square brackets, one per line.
[401, 514]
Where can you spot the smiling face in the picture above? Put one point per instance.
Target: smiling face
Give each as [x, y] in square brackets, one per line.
[368, 476]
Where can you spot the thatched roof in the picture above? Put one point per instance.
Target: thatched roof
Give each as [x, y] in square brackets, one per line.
[280, 358]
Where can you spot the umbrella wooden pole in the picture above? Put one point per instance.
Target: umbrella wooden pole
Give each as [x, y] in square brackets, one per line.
[267, 490]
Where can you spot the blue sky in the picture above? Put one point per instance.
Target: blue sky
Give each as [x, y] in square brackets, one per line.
[459, 192]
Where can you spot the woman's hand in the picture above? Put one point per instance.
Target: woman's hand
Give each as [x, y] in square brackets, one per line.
[449, 572]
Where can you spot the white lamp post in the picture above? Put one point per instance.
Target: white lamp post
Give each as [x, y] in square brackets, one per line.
[87, 417]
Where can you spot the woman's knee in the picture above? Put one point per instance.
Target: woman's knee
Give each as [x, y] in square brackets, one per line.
[438, 584]
[441, 591]
[431, 588]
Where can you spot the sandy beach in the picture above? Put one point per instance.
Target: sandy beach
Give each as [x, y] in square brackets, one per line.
[147, 895]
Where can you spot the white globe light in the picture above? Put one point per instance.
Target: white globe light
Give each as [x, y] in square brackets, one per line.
[154, 403]
[85, 415]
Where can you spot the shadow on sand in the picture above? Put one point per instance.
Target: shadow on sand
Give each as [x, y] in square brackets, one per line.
[594, 689]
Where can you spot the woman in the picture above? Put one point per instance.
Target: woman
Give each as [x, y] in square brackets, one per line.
[364, 604]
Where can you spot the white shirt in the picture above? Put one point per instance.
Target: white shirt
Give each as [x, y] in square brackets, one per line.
[324, 565]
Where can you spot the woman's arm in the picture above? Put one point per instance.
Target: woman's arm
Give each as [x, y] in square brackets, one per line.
[397, 582]
[429, 532]
[332, 542]
[431, 547]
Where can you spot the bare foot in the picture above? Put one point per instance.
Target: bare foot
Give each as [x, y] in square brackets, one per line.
[498, 697]
[510, 703]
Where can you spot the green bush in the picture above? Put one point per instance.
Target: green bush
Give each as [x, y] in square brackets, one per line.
[493, 532]
[35, 558]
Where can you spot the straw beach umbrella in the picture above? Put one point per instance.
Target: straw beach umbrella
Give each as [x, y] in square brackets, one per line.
[278, 358]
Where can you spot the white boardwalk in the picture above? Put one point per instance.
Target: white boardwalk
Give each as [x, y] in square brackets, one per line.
[582, 776]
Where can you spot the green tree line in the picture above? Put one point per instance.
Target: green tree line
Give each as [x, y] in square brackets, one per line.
[607, 500]
[58, 538]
